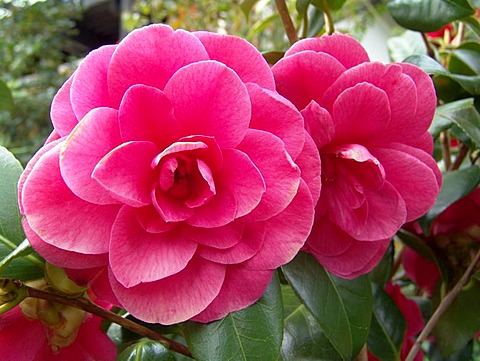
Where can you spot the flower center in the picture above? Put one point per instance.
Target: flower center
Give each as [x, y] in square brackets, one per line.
[175, 176]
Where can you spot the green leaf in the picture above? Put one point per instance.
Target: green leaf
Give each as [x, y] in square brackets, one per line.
[465, 59]
[473, 23]
[471, 83]
[146, 350]
[328, 4]
[463, 316]
[6, 99]
[304, 340]
[302, 6]
[23, 249]
[341, 307]
[447, 114]
[254, 333]
[247, 6]
[382, 272]
[428, 15]
[387, 328]
[405, 45]
[11, 231]
[456, 185]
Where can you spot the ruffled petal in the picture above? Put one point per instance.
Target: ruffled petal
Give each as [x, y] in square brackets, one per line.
[58, 216]
[210, 99]
[344, 48]
[176, 298]
[217, 237]
[150, 56]
[241, 289]
[302, 78]
[95, 136]
[276, 115]
[239, 55]
[161, 254]
[89, 87]
[319, 124]
[61, 113]
[280, 174]
[310, 165]
[126, 172]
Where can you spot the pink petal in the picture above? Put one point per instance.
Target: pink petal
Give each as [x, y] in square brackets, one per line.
[127, 174]
[286, 232]
[360, 113]
[246, 248]
[302, 78]
[176, 298]
[310, 165]
[326, 239]
[280, 174]
[413, 179]
[318, 123]
[150, 56]
[420, 270]
[239, 55]
[274, 114]
[399, 88]
[60, 257]
[58, 216]
[52, 137]
[386, 213]
[61, 113]
[137, 256]
[220, 237]
[147, 114]
[95, 343]
[241, 289]
[151, 220]
[89, 87]
[210, 99]
[243, 179]
[170, 208]
[344, 48]
[95, 136]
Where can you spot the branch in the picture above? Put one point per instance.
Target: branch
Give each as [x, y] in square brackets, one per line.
[287, 21]
[85, 305]
[462, 153]
[446, 155]
[442, 307]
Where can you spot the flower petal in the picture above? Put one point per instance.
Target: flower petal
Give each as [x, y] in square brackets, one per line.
[298, 76]
[210, 99]
[239, 55]
[241, 289]
[61, 113]
[127, 174]
[58, 216]
[89, 88]
[286, 233]
[161, 254]
[150, 56]
[344, 48]
[318, 123]
[280, 174]
[276, 115]
[176, 298]
[217, 237]
[95, 136]
[146, 114]
[310, 165]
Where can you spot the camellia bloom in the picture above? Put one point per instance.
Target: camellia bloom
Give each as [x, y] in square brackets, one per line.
[54, 333]
[176, 168]
[369, 122]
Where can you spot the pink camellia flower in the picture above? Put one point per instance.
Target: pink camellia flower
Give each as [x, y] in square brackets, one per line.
[175, 168]
[369, 122]
[39, 330]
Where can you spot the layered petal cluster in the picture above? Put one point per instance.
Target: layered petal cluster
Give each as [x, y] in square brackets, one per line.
[369, 122]
[175, 175]
[60, 333]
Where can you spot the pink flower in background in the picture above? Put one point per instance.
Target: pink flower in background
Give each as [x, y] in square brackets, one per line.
[369, 122]
[56, 333]
[175, 177]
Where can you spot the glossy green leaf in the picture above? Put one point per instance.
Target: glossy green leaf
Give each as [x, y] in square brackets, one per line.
[6, 99]
[456, 185]
[465, 59]
[247, 6]
[331, 4]
[11, 231]
[405, 45]
[23, 249]
[471, 83]
[302, 6]
[428, 15]
[473, 23]
[448, 114]
[382, 271]
[146, 350]
[462, 316]
[341, 307]
[387, 328]
[254, 333]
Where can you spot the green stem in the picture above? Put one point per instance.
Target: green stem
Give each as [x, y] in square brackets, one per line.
[31, 258]
[442, 307]
[87, 306]
[287, 21]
